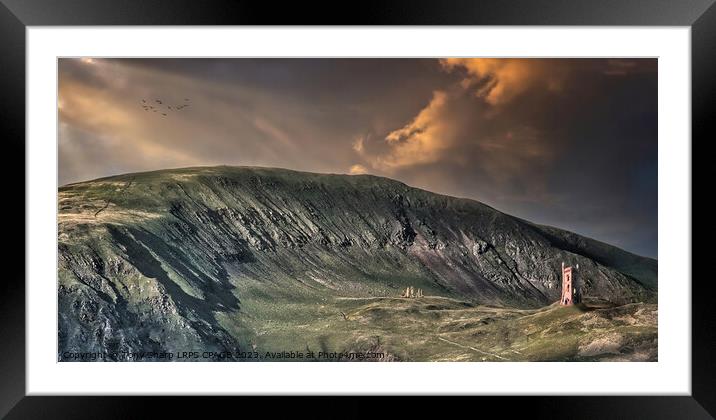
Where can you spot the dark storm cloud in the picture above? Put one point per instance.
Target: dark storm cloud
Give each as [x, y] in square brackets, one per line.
[571, 143]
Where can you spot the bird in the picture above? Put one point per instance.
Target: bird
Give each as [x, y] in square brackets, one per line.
[159, 108]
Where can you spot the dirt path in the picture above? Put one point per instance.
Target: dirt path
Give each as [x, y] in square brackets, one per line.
[472, 348]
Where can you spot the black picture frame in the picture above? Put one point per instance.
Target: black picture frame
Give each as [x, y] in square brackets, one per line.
[15, 15]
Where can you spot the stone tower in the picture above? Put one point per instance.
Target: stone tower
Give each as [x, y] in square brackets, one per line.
[570, 291]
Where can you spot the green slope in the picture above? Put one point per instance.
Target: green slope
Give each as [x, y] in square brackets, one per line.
[208, 258]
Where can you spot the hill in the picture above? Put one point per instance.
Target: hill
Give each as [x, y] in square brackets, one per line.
[212, 259]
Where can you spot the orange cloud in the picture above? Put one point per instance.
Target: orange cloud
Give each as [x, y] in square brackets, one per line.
[454, 130]
[358, 170]
[499, 80]
[420, 141]
[358, 145]
[78, 103]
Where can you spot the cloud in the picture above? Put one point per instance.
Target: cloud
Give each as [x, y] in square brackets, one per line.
[459, 126]
[358, 170]
[358, 145]
[420, 141]
[499, 80]
[456, 130]
[534, 138]
[106, 131]
[102, 126]
[292, 113]
[273, 132]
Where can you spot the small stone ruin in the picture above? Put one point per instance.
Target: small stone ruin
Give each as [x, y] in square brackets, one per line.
[411, 292]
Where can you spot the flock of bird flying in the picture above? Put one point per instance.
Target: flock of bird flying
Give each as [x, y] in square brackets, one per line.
[161, 108]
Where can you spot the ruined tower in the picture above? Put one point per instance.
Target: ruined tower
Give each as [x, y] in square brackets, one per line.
[570, 291]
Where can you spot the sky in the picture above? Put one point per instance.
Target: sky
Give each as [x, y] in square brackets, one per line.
[570, 143]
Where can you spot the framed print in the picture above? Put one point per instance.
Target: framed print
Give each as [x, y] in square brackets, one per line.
[480, 200]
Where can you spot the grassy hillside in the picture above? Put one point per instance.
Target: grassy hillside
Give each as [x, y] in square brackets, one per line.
[242, 258]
